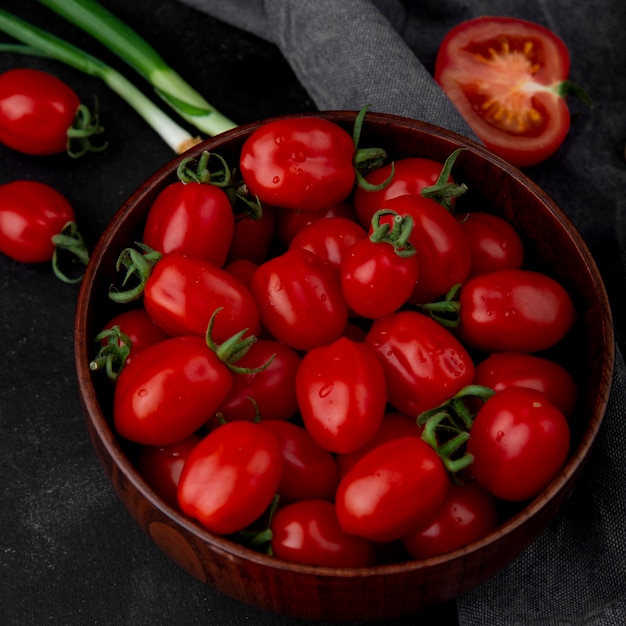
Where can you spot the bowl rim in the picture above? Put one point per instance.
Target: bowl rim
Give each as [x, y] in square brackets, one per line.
[105, 432]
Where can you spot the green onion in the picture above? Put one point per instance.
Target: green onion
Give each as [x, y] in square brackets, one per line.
[38, 41]
[118, 37]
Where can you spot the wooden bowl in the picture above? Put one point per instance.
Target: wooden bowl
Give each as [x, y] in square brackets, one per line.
[381, 591]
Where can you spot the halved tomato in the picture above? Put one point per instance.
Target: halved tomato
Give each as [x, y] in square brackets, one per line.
[508, 78]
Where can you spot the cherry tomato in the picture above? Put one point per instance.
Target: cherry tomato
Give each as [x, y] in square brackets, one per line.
[182, 294]
[410, 177]
[271, 391]
[443, 250]
[505, 76]
[242, 270]
[169, 390]
[424, 362]
[300, 163]
[519, 310]
[299, 299]
[393, 426]
[191, 218]
[494, 242]
[308, 532]
[342, 394]
[309, 471]
[519, 441]
[253, 236]
[36, 111]
[31, 213]
[231, 477]
[468, 514]
[392, 491]
[330, 239]
[289, 222]
[161, 466]
[519, 369]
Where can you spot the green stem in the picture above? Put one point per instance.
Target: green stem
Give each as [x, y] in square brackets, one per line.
[53, 47]
[118, 37]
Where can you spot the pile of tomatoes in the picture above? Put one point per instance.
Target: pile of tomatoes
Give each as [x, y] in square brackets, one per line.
[332, 363]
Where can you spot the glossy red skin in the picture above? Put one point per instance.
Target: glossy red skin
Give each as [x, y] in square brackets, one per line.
[514, 310]
[168, 391]
[231, 477]
[376, 280]
[252, 238]
[468, 514]
[474, 69]
[161, 467]
[330, 239]
[392, 491]
[494, 243]
[308, 532]
[309, 471]
[36, 111]
[342, 394]
[183, 292]
[30, 214]
[443, 250]
[273, 389]
[289, 222]
[519, 369]
[394, 426]
[299, 299]
[140, 329]
[519, 441]
[410, 176]
[303, 163]
[424, 363]
[191, 218]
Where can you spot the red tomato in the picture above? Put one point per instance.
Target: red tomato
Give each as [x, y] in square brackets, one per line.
[161, 466]
[31, 213]
[505, 76]
[299, 299]
[309, 471]
[231, 477]
[242, 270]
[518, 369]
[410, 177]
[376, 278]
[520, 310]
[308, 532]
[36, 111]
[341, 394]
[289, 222]
[424, 363]
[300, 163]
[443, 250]
[182, 293]
[393, 426]
[519, 441]
[191, 218]
[253, 236]
[273, 389]
[494, 243]
[169, 390]
[392, 491]
[468, 514]
[330, 239]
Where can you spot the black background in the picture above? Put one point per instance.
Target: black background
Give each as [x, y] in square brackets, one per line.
[69, 551]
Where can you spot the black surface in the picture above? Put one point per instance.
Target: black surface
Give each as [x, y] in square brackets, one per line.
[69, 551]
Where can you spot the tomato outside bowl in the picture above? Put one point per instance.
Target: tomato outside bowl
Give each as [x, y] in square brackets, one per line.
[382, 591]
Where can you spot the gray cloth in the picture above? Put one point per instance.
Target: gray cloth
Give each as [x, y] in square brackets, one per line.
[349, 53]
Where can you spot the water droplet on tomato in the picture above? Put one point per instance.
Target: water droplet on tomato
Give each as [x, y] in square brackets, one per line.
[276, 180]
[326, 390]
[499, 436]
[142, 393]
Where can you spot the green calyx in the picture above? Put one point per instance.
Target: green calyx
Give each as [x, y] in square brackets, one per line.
[569, 88]
[114, 349]
[447, 311]
[447, 427]
[69, 240]
[394, 229]
[444, 192]
[190, 170]
[138, 264]
[79, 135]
